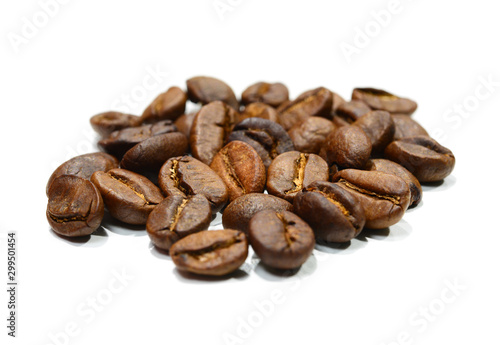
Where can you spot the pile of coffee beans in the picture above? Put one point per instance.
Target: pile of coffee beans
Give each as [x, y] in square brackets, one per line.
[283, 173]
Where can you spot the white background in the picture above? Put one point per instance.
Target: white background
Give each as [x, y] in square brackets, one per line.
[387, 287]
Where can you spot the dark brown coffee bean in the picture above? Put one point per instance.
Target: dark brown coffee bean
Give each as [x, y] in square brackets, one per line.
[348, 147]
[206, 89]
[309, 135]
[317, 102]
[261, 110]
[106, 123]
[187, 176]
[384, 197]
[84, 166]
[423, 156]
[238, 213]
[383, 100]
[213, 253]
[273, 94]
[119, 142]
[337, 102]
[241, 169]
[390, 167]
[350, 112]
[149, 155]
[176, 217]
[407, 127]
[167, 106]
[281, 239]
[210, 130]
[292, 171]
[129, 197]
[184, 123]
[268, 138]
[379, 127]
[334, 214]
[75, 206]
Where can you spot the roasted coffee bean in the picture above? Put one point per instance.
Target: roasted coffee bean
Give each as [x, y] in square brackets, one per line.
[184, 123]
[75, 207]
[241, 169]
[273, 94]
[292, 171]
[348, 147]
[423, 156]
[167, 106]
[207, 89]
[309, 135]
[268, 138]
[210, 130]
[337, 102]
[119, 142]
[213, 253]
[129, 197]
[261, 110]
[317, 102]
[379, 127]
[149, 155]
[176, 217]
[84, 166]
[238, 213]
[407, 127]
[106, 123]
[281, 239]
[383, 100]
[390, 167]
[350, 112]
[334, 214]
[187, 176]
[384, 197]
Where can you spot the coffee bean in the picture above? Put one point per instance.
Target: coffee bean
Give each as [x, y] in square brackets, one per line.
[407, 127]
[272, 94]
[167, 106]
[334, 214]
[268, 138]
[184, 123]
[337, 102]
[187, 176]
[119, 142]
[84, 166]
[75, 207]
[238, 213]
[208, 89]
[261, 110]
[149, 155]
[384, 197]
[317, 102]
[176, 217]
[350, 112]
[423, 156]
[210, 130]
[292, 171]
[382, 100]
[241, 169]
[309, 135]
[106, 123]
[348, 147]
[281, 239]
[129, 197]
[214, 253]
[387, 166]
[379, 127]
